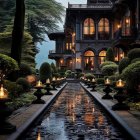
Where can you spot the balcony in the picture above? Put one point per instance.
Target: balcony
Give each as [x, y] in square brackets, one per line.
[56, 55]
[94, 6]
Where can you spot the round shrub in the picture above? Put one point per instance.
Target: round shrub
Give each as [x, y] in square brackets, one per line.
[25, 70]
[132, 75]
[24, 83]
[45, 72]
[109, 70]
[100, 81]
[134, 53]
[68, 73]
[89, 76]
[7, 64]
[135, 60]
[53, 67]
[110, 54]
[123, 64]
[14, 89]
[107, 63]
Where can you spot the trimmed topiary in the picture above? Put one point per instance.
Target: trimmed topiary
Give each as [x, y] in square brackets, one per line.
[24, 83]
[45, 72]
[123, 64]
[89, 76]
[25, 70]
[107, 63]
[109, 70]
[135, 60]
[7, 64]
[53, 67]
[134, 53]
[100, 81]
[109, 55]
[132, 75]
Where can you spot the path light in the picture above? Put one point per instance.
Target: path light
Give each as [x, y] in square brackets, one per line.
[93, 84]
[5, 127]
[88, 83]
[54, 83]
[120, 97]
[107, 89]
[48, 87]
[39, 86]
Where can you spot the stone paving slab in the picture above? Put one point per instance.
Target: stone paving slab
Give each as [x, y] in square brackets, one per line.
[26, 113]
[126, 118]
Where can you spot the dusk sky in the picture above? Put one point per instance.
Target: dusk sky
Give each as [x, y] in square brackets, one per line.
[44, 48]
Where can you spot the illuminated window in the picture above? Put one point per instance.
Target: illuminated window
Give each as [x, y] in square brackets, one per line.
[89, 29]
[126, 26]
[89, 60]
[119, 54]
[102, 56]
[103, 29]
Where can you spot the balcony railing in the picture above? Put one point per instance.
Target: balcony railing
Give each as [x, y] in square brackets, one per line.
[52, 51]
[95, 6]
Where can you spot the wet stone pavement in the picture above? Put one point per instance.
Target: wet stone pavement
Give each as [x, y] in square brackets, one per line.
[75, 116]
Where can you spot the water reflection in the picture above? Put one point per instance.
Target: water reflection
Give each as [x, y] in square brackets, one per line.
[75, 116]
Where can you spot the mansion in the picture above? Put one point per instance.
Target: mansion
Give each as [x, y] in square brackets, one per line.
[90, 29]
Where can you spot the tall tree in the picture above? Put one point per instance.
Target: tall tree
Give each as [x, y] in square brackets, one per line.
[18, 29]
[110, 54]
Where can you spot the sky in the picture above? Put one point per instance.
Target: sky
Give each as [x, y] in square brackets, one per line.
[47, 45]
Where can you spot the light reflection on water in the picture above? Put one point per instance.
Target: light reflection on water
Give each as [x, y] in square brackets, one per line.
[75, 116]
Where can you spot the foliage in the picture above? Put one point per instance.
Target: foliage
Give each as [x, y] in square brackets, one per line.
[107, 63]
[134, 53]
[45, 72]
[14, 89]
[123, 64]
[24, 83]
[135, 60]
[25, 70]
[109, 70]
[23, 100]
[43, 16]
[89, 76]
[53, 67]
[100, 81]
[110, 54]
[7, 64]
[132, 75]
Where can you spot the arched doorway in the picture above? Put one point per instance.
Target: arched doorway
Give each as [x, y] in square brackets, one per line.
[89, 60]
[102, 55]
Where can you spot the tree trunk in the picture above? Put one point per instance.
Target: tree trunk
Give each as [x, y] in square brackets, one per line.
[18, 29]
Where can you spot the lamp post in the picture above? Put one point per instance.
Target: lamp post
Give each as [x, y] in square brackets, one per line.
[120, 97]
[38, 94]
[93, 84]
[54, 83]
[5, 127]
[107, 90]
[48, 87]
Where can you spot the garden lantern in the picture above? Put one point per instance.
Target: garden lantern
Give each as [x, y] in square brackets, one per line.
[120, 96]
[48, 87]
[5, 127]
[39, 86]
[107, 89]
[54, 83]
[93, 84]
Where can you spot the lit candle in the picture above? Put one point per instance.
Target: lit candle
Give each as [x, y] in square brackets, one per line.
[107, 82]
[39, 84]
[93, 80]
[120, 83]
[53, 79]
[3, 94]
[39, 136]
[88, 80]
[48, 81]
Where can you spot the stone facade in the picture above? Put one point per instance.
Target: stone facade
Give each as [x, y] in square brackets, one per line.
[92, 28]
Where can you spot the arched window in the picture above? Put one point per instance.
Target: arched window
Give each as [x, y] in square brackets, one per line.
[89, 29]
[103, 29]
[119, 54]
[89, 60]
[102, 56]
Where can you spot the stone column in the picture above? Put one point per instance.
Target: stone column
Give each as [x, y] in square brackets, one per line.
[96, 30]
